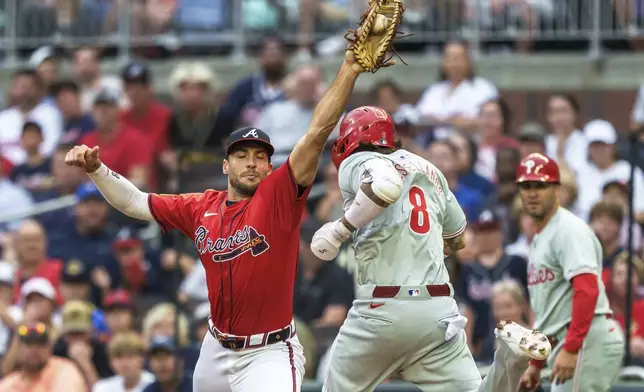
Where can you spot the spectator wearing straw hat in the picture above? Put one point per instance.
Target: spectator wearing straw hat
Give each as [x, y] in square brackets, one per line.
[127, 357]
[76, 342]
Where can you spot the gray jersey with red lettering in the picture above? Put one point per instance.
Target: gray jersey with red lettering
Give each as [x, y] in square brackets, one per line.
[565, 248]
[404, 245]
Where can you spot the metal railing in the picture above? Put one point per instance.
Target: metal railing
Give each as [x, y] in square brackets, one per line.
[234, 24]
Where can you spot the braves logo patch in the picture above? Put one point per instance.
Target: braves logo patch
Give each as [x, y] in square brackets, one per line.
[224, 249]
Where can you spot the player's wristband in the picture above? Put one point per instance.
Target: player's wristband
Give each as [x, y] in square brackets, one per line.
[538, 364]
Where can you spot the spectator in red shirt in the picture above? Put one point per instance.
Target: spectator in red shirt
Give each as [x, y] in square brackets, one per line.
[124, 148]
[145, 113]
[617, 299]
[31, 245]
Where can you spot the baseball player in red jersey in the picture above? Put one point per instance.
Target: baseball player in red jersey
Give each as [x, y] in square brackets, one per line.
[247, 238]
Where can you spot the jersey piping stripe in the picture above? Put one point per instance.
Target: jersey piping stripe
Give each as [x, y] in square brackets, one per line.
[292, 362]
[163, 228]
[578, 368]
[457, 233]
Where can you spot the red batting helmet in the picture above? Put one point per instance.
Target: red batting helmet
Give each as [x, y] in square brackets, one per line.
[368, 125]
[538, 168]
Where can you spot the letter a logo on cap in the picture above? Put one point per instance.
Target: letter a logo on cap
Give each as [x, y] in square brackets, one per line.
[252, 132]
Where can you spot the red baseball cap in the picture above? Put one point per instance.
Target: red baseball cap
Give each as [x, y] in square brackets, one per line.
[117, 298]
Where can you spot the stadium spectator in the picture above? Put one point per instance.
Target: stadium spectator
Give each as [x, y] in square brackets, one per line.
[443, 153]
[527, 231]
[145, 113]
[532, 139]
[119, 311]
[193, 120]
[618, 280]
[163, 360]
[200, 328]
[566, 144]
[46, 65]
[454, 102]
[508, 302]
[568, 191]
[603, 167]
[287, 121]
[502, 199]
[329, 207]
[7, 323]
[327, 14]
[76, 123]
[65, 19]
[492, 264]
[28, 106]
[191, 288]
[30, 243]
[38, 369]
[617, 192]
[127, 357]
[87, 72]
[606, 220]
[251, 95]
[323, 291]
[160, 322]
[35, 173]
[138, 271]
[468, 254]
[87, 234]
[388, 96]
[77, 342]
[124, 148]
[14, 198]
[466, 157]
[494, 130]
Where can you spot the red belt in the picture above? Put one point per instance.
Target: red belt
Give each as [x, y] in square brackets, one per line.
[435, 290]
[236, 342]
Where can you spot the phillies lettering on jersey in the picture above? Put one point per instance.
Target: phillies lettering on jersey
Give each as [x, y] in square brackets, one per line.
[538, 276]
[404, 245]
[248, 248]
[225, 249]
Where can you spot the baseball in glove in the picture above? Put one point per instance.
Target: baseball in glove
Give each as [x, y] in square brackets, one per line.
[373, 40]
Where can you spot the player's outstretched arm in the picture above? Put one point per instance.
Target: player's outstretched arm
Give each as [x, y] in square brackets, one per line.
[305, 156]
[117, 190]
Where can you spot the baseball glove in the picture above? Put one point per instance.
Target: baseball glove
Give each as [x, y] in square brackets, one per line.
[374, 39]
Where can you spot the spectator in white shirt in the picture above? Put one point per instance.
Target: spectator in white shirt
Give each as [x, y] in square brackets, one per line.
[454, 102]
[126, 351]
[14, 198]
[7, 323]
[87, 70]
[566, 144]
[604, 167]
[28, 96]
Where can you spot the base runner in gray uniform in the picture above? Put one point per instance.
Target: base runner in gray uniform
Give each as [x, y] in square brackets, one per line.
[405, 320]
[566, 291]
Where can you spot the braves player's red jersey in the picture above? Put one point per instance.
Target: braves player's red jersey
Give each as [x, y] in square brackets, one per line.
[249, 249]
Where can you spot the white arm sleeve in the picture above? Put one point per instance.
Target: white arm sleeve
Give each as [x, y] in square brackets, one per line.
[122, 194]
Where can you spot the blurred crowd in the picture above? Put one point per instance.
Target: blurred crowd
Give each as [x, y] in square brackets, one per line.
[314, 27]
[92, 299]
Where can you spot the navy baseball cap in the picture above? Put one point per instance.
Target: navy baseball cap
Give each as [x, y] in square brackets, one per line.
[162, 344]
[75, 272]
[87, 191]
[249, 135]
[136, 73]
[487, 220]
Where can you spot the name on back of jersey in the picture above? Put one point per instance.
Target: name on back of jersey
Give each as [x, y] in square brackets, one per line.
[408, 166]
[247, 239]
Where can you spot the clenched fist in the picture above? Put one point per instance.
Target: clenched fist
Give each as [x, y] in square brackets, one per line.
[85, 157]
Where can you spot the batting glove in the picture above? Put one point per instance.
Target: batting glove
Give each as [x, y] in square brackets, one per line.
[328, 239]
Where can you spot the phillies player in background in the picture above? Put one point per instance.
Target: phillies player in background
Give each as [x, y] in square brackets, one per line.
[566, 291]
[247, 238]
[405, 320]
